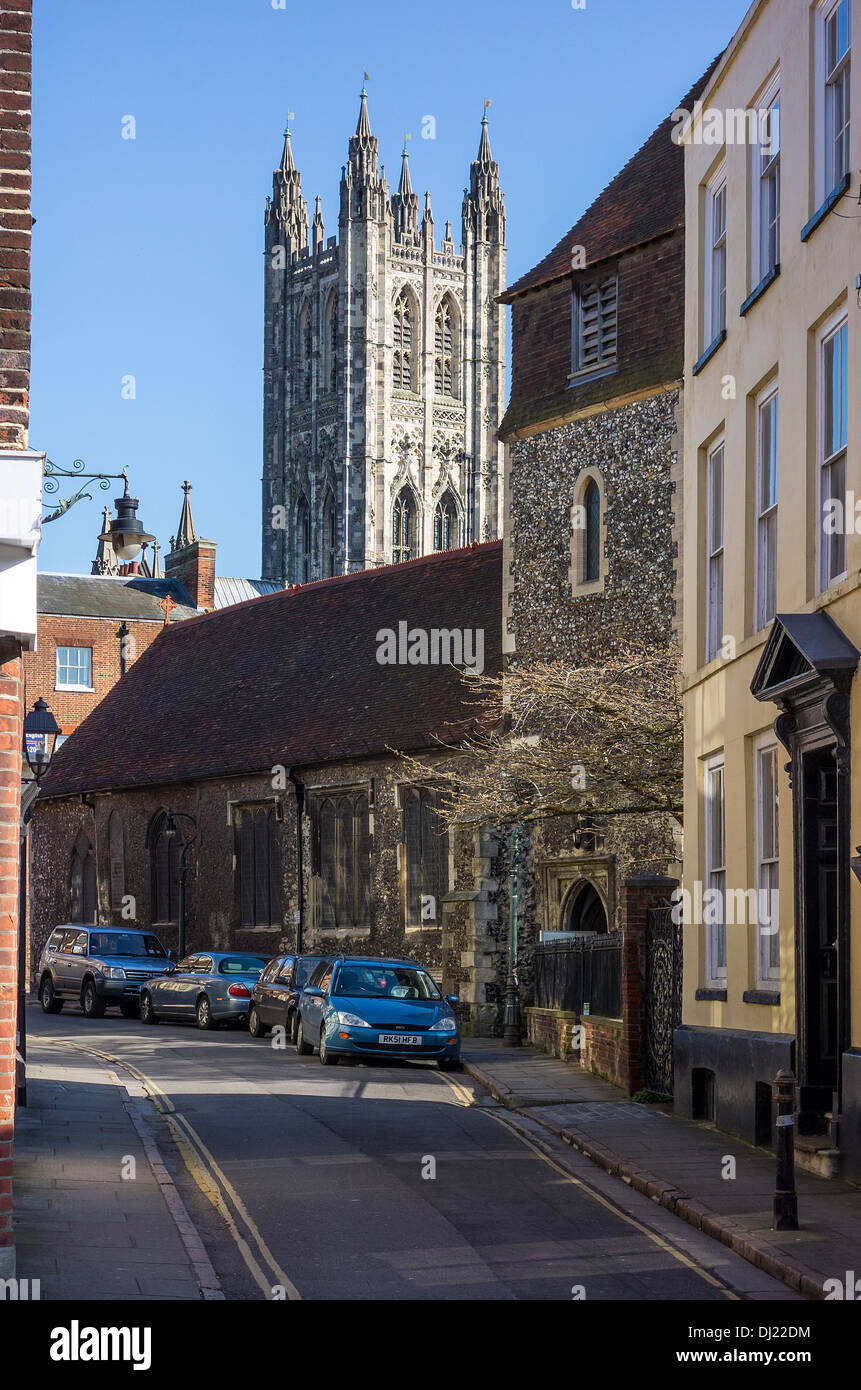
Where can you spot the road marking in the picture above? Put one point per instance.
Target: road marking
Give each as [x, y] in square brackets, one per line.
[208, 1176]
[512, 1127]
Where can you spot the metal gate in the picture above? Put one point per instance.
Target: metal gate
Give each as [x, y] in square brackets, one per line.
[663, 995]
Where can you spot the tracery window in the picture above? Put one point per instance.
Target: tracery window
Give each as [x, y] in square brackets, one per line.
[341, 858]
[403, 527]
[445, 523]
[403, 338]
[426, 846]
[445, 350]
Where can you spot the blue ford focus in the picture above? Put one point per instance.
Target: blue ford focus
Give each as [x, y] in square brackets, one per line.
[359, 1006]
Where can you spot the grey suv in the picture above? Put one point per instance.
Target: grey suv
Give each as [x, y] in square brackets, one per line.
[98, 966]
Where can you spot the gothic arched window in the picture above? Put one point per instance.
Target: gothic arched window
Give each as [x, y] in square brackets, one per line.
[304, 340]
[446, 375]
[403, 527]
[83, 881]
[403, 338]
[445, 523]
[164, 852]
[303, 541]
[330, 536]
[332, 344]
[592, 547]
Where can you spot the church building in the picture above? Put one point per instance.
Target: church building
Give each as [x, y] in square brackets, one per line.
[384, 370]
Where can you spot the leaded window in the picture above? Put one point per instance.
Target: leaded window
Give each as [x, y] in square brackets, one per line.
[403, 334]
[592, 547]
[445, 523]
[426, 854]
[403, 527]
[258, 866]
[341, 858]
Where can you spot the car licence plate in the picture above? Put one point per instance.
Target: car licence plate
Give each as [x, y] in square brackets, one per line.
[402, 1039]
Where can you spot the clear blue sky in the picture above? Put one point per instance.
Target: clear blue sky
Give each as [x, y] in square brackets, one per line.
[147, 254]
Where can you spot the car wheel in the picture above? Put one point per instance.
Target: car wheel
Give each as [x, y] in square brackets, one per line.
[130, 1008]
[148, 1013]
[292, 1025]
[302, 1047]
[450, 1064]
[48, 999]
[256, 1027]
[92, 1005]
[329, 1059]
[204, 1014]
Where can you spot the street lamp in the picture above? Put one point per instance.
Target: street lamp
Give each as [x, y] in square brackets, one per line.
[126, 533]
[41, 732]
[171, 831]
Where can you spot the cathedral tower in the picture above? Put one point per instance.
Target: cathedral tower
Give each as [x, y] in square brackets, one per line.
[384, 370]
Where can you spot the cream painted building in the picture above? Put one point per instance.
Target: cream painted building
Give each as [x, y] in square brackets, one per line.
[772, 562]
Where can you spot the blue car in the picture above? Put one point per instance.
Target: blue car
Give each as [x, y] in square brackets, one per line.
[360, 1006]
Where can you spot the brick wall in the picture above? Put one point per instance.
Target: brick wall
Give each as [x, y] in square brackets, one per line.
[15, 221]
[15, 228]
[71, 707]
[194, 567]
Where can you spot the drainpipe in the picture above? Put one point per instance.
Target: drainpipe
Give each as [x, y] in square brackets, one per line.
[300, 806]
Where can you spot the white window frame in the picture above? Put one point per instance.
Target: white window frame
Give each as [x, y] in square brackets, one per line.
[606, 311]
[767, 468]
[715, 248]
[765, 749]
[828, 176]
[715, 526]
[73, 685]
[714, 797]
[836, 328]
[765, 173]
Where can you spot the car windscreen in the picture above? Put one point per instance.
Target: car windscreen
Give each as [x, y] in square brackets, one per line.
[241, 965]
[384, 982]
[123, 943]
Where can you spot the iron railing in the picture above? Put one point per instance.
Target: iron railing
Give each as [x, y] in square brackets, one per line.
[571, 974]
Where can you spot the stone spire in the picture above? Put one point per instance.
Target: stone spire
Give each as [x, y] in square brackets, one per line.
[187, 534]
[405, 204]
[106, 557]
[318, 235]
[156, 563]
[363, 156]
[484, 204]
[143, 565]
[288, 208]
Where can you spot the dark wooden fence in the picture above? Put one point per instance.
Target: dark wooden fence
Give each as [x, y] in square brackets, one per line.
[569, 974]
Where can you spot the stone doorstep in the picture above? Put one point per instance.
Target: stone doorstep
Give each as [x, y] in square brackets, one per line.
[815, 1154]
[757, 1251]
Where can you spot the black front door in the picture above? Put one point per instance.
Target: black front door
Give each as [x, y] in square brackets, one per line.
[819, 993]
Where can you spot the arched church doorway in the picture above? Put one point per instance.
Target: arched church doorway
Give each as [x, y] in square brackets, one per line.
[586, 911]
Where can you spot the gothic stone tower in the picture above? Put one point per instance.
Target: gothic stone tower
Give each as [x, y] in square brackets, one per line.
[384, 370]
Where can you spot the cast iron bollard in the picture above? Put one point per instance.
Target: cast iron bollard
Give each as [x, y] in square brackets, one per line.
[785, 1198]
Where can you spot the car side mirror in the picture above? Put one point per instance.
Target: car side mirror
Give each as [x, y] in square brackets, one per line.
[453, 998]
[313, 992]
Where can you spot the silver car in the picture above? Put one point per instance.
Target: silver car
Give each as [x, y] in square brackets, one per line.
[209, 988]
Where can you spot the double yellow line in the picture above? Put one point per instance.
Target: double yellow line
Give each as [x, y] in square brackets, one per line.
[213, 1183]
[465, 1098]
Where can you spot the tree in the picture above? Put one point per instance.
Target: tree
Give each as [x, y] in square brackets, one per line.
[600, 741]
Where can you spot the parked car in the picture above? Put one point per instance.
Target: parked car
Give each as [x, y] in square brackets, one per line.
[208, 988]
[275, 996]
[362, 1006]
[99, 966]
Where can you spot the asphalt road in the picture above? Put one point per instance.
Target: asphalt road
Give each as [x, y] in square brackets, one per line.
[391, 1181]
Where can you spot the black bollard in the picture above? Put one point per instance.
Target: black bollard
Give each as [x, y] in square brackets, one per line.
[785, 1197]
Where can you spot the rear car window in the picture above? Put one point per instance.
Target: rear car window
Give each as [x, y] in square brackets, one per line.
[241, 965]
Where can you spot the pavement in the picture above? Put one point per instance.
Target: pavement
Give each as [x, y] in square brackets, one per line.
[96, 1213]
[682, 1165]
[260, 1175]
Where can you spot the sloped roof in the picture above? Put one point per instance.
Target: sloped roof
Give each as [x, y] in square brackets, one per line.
[111, 596]
[645, 200]
[291, 678]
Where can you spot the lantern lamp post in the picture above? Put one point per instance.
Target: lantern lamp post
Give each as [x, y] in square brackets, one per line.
[41, 732]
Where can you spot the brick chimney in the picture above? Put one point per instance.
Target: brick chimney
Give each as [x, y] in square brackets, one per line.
[190, 559]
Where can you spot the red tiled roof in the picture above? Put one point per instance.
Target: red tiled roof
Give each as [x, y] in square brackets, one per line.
[289, 678]
[645, 200]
